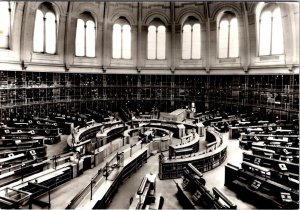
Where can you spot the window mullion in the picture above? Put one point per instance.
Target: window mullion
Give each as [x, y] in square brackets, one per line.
[85, 36]
[259, 41]
[271, 39]
[44, 32]
[156, 35]
[122, 42]
[182, 31]
[192, 37]
[218, 40]
[228, 43]
[95, 40]
[56, 28]
[9, 29]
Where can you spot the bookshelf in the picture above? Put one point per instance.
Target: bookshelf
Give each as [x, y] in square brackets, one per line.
[39, 93]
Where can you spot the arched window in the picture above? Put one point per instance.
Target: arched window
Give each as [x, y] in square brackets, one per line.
[85, 42]
[126, 42]
[121, 42]
[191, 40]
[161, 42]
[38, 37]
[50, 30]
[45, 29]
[228, 36]
[187, 42]
[80, 38]
[270, 31]
[6, 20]
[156, 41]
[196, 41]
[151, 42]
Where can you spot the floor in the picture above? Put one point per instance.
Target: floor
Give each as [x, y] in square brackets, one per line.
[55, 149]
[216, 177]
[61, 196]
[167, 188]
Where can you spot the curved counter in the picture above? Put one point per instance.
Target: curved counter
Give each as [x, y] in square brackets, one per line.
[178, 128]
[159, 144]
[83, 134]
[188, 147]
[173, 168]
[107, 134]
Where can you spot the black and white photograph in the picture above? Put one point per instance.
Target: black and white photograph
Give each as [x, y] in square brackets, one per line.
[149, 104]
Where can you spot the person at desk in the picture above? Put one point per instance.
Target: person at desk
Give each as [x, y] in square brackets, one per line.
[150, 138]
[151, 177]
[152, 180]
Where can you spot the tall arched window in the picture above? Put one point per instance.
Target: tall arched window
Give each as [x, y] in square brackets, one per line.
[228, 36]
[85, 36]
[121, 42]
[6, 20]
[151, 42]
[38, 37]
[187, 42]
[191, 40]
[156, 41]
[50, 31]
[45, 29]
[161, 42]
[80, 38]
[270, 31]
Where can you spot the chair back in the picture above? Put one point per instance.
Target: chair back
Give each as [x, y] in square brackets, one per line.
[161, 202]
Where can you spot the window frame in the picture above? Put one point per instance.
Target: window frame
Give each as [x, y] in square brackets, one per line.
[45, 8]
[271, 8]
[85, 17]
[11, 11]
[156, 25]
[191, 23]
[229, 17]
[122, 22]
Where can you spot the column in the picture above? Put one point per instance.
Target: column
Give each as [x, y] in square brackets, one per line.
[173, 36]
[139, 37]
[247, 58]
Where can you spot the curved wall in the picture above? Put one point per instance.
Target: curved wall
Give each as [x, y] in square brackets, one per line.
[68, 83]
[139, 15]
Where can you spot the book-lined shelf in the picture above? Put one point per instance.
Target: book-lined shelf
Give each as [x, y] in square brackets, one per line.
[38, 93]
